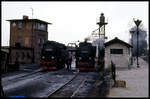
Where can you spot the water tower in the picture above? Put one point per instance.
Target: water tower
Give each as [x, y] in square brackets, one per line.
[102, 24]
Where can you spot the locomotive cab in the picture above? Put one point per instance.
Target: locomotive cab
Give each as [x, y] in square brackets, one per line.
[85, 56]
[52, 57]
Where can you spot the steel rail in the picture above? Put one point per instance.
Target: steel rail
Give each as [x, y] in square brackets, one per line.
[29, 74]
[49, 95]
[26, 75]
[76, 91]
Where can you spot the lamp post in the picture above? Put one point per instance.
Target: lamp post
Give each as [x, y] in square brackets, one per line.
[137, 22]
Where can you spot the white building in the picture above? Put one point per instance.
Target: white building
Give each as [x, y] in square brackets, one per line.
[119, 52]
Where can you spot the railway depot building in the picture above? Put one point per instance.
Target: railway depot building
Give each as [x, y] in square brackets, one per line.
[26, 39]
[119, 52]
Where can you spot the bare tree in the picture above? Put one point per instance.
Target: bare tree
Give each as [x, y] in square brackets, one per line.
[142, 40]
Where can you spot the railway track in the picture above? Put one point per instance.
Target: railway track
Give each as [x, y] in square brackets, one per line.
[37, 85]
[70, 88]
[37, 73]
[34, 75]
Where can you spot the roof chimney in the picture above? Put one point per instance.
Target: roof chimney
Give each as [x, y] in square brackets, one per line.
[25, 17]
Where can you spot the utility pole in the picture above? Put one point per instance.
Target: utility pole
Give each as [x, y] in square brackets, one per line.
[32, 12]
[32, 41]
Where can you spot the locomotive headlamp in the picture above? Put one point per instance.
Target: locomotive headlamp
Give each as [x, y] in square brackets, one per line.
[43, 57]
[80, 58]
[52, 57]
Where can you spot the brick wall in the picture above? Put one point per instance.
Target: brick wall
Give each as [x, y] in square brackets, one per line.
[29, 37]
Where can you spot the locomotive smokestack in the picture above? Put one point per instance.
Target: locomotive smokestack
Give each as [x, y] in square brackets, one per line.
[25, 17]
[85, 40]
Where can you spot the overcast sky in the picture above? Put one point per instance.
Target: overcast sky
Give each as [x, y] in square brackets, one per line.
[72, 21]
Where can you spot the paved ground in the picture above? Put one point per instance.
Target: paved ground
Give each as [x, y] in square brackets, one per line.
[137, 81]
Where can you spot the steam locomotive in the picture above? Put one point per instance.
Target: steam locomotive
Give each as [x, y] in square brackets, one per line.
[53, 55]
[85, 57]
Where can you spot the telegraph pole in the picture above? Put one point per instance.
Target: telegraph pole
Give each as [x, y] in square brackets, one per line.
[32, 41]
[32, 12]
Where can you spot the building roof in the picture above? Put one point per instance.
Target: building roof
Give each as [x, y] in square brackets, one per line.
[36, 20]
[116, 40]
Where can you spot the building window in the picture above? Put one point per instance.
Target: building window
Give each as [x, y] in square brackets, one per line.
[116, 51]
[39, 53]
[43, 41]
[35, 25]
[39, 41]
[13, 24]
[19, 24]
[19, 39]
[17, 55]
[39, 26]
[43, 27]
[23, 55]
[28, 55]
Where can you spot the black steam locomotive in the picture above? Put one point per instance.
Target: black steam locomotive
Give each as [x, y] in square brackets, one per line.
[53, 55]
[85, 57]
